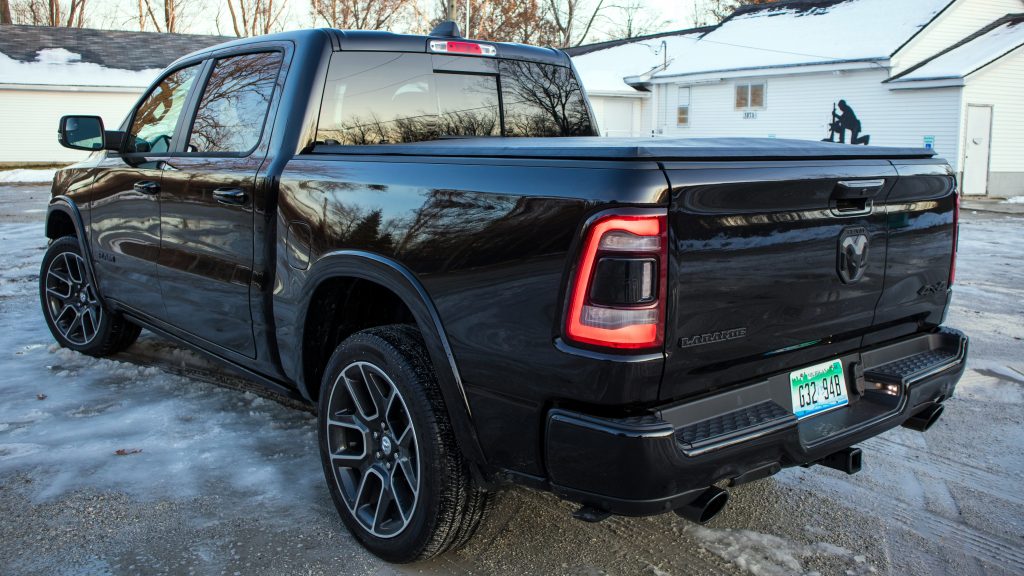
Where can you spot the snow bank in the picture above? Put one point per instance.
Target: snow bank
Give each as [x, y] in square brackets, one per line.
[57, 66]
[27, 176]
[1014, 200]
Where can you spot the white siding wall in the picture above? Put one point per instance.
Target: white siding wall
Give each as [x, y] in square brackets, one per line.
[1001, 85]
[960, 20]
[640, 125]
[800, 106]
[31, 119]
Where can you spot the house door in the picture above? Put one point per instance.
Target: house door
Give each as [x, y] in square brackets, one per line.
[618, 117]
[976, 149]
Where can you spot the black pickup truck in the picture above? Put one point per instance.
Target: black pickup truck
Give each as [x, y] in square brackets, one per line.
[422, 236]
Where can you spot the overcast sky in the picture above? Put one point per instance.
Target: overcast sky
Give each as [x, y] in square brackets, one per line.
[212, 17]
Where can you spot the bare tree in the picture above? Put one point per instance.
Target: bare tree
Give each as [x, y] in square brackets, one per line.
[255, 17]
[165, 15]
[573, 19]
[49, 13]
[5, 12]
[361, 14]
[504, 21]
[632, 19]
[706, 12]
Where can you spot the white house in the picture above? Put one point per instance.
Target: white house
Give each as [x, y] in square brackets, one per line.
[46, 73]
[945, 74]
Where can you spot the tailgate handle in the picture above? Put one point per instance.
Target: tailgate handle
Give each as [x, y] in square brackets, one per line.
[857, 189]
[853, 197]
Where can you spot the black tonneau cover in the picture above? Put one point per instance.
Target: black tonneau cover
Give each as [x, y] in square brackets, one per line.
[595, 147]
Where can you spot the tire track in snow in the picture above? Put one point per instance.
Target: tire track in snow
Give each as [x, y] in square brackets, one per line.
[951, 470]
[978, 544]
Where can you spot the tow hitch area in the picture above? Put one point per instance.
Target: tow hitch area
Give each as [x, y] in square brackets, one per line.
[846, 460]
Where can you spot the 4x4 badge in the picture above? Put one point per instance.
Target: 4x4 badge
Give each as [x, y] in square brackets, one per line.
[852, 260]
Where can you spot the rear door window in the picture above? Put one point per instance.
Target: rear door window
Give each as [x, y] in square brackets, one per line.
[235, 101]
[378, 98]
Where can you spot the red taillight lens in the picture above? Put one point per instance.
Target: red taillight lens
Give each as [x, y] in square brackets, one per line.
[458, 47]
[617, 296]
[956, 239]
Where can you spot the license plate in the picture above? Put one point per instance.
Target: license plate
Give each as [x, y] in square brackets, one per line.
[818, 388]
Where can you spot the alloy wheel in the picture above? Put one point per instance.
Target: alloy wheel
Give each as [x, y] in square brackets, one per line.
[373, 449]
[71, 299]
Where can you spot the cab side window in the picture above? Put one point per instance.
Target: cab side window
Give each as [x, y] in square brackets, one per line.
[153, 124]
[235, 102]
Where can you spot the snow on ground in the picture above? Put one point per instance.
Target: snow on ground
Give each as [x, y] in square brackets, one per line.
[1014, 200]
[214, 480]
[27, 176]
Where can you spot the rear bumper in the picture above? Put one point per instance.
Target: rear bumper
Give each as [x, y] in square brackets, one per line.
[659, 462]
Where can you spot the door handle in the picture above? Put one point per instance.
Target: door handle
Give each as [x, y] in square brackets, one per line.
[147, 187]
[230, 196]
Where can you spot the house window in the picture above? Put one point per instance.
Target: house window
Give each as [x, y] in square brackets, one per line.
[683, 107]
[750, 96]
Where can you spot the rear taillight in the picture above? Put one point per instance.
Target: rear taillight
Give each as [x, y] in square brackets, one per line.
[617, 295]
[956, 238]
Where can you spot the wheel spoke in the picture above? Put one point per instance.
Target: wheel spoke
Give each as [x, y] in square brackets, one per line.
[384, 500]
[406, 438]
[359, 399]
[76, 322]
[74, 271]
[408, 472]
[380, 402]
[64, 326]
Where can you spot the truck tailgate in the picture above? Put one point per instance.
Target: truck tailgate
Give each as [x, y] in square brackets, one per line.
[778, 265]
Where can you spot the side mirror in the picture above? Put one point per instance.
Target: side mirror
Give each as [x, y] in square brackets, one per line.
[82, 133]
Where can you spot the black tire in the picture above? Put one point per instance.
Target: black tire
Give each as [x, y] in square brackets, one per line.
[447, 507]
[72, 308]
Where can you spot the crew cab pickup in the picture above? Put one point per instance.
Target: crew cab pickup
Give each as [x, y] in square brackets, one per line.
[424, 237]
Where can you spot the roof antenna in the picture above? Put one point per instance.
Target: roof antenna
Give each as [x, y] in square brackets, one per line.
[447, 29]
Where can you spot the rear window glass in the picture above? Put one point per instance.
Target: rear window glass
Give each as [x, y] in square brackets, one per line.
[542, 100]
[387, 98]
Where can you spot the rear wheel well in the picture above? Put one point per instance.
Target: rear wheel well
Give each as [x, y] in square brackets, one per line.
[59, 224]
[339, 308]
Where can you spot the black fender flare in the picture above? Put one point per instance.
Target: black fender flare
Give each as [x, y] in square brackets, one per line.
[400, 280]
[68, 207]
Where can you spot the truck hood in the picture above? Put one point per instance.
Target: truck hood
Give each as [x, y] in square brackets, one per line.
[600, 148]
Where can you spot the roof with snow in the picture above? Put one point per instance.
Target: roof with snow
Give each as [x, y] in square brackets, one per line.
[802, 32]
[778, 34]
[603, 66]
[86, 57]
[970, 54]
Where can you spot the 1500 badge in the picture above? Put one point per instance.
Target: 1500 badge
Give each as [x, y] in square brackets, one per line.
[712, 337]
